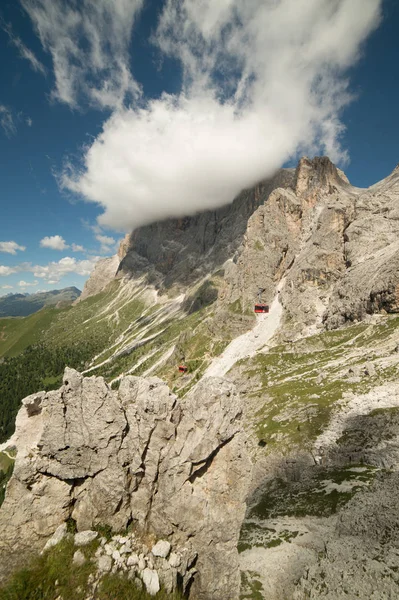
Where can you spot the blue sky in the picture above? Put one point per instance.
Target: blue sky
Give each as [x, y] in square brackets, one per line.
[156, 108]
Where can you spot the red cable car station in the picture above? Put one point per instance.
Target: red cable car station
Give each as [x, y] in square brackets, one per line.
[261, 307]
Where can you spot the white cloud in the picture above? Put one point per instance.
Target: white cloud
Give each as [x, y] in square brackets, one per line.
[29, 122]
[55, 242]
[23, 50]
[262, 81]
[77, 248]
[54, 271]
[107, 243]
[89, 45]
[25, 284]
[6, 287]
[7, 121]
[11, 247]
[4, 271]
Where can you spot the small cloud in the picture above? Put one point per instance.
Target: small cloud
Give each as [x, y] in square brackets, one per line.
[6, 287]
[55, 242]
[4, 271]
[54, 271]
[25, 284]
[105, 240]
[23, 50]
[77, 248]
[107, 243]
[11, 247]
[89, 43]
[29, 122]
[7, 121]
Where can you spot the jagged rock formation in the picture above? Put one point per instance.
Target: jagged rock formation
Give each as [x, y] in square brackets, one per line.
[335, 244]
[103, 273]
[371, 248]
[137, 455]
[277, 233]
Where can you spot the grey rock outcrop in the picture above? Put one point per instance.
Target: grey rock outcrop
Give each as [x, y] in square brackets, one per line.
[297, 234]
[135, 455]
[103, 273]
[335, 246]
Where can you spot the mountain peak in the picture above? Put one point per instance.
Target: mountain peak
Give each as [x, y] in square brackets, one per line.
[318, 172]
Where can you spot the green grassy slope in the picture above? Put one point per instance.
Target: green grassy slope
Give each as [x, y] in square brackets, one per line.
[294, 388]
[17, 333]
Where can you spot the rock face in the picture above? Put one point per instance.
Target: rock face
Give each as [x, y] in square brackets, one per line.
[180, 251]
[334, 246]
[103, 273]
[297, 235]
[137, 455]
[371, 281]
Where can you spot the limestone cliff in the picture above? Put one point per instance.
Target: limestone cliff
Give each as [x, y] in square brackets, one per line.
[135, 456]
[180, 251]
[103, 273]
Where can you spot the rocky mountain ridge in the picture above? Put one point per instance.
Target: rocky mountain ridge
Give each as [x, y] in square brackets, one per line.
[310, 226]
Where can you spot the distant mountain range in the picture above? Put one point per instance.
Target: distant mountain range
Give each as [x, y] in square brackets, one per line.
[22, 305]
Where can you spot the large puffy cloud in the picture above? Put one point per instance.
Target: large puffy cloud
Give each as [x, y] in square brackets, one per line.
[262, 81]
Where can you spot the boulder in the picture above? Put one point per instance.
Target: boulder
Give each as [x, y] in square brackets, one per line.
[161, 548]
[82, 538]
[78, 558]
[57, 537]
[151, 581]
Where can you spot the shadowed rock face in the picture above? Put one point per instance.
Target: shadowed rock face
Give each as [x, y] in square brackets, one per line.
[362, 561]
[174, 468]
[180, 251]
